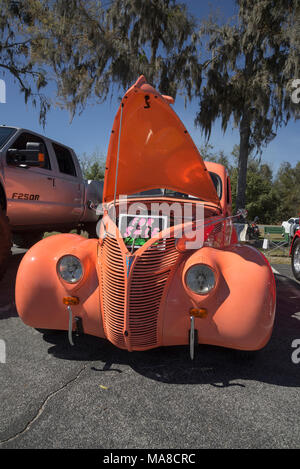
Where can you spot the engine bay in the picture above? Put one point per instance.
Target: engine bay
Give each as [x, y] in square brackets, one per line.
[139, 220]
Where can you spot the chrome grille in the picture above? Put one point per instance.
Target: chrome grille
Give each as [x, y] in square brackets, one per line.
[113, 291]
[149, 277]
[147, 283]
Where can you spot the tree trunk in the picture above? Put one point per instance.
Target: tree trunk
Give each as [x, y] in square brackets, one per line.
[243, 161]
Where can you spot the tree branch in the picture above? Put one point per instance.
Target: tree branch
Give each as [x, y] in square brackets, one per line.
[9, 46]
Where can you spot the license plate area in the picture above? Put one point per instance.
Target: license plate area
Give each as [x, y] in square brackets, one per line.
[136, 230]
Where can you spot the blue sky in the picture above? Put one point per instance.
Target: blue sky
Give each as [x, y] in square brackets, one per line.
[92, 128]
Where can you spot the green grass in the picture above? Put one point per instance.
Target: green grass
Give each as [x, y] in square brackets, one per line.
[278, 259]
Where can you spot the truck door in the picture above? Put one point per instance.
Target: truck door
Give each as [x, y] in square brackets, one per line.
[29, 190]
[69, 187]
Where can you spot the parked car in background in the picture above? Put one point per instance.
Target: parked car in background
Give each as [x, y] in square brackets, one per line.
[41, 189]
[287, 225]
[294, 227]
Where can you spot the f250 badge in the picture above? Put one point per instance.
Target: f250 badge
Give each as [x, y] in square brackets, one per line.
[22, 196]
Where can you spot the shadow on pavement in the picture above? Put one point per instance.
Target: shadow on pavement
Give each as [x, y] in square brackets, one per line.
[214, 365]
[217, 366]
[7, 288]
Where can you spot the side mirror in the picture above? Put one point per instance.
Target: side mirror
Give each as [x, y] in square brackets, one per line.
[33, 155]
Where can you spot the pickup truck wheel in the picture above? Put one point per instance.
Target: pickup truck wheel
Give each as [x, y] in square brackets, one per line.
[5, 243]
[27, 240]
[296, 259]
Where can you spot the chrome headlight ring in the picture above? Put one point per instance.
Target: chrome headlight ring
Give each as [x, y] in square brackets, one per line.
[200, 278]
[70, 269]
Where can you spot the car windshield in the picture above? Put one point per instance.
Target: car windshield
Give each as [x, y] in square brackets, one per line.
[5, 134]
[180, 195]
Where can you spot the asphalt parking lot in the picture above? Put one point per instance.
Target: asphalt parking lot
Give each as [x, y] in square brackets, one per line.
[95, 396]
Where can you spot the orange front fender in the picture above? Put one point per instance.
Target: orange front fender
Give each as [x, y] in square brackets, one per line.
[40, 291]
[241, 308]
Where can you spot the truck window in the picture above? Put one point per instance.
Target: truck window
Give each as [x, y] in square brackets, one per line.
[24, 138]
[5, 134]
[64, 160]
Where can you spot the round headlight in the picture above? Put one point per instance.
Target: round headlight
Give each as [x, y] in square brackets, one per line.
[200, 278]
[70, 269]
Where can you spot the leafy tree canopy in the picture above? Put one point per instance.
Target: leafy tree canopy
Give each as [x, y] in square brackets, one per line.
[255, 59]
[287, 185]
[262, 195]
[87, 46]
[93, 165]
[18, 46]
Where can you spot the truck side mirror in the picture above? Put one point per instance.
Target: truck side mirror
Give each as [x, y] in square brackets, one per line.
[33, 155]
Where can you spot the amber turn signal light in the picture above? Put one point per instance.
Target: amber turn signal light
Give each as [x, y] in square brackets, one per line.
[198, 312]
[70, 300]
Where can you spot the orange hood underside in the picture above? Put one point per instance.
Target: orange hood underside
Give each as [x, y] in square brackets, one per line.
[150, 148]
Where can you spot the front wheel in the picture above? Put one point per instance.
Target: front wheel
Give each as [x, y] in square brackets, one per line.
[296, 259]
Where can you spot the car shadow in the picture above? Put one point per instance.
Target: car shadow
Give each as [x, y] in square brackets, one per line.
[7, 288]
[217, 366]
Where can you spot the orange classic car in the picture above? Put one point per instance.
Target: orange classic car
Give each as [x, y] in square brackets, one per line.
[167, 268]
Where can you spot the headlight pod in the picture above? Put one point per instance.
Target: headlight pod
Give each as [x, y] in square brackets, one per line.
[200, 278]
[70, 269]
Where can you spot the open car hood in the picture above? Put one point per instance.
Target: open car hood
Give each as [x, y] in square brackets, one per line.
[150, 148]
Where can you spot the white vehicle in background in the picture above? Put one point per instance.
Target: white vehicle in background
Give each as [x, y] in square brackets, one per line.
[294, 227]
[291, 225]
[41, 189]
